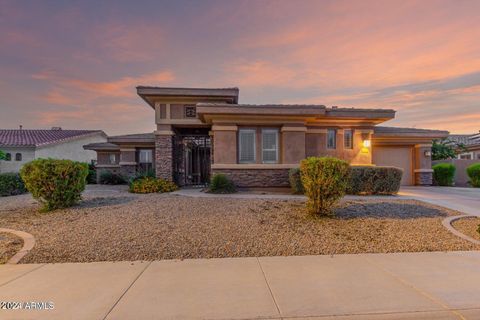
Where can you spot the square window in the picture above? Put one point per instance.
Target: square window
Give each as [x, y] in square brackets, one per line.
[112, 157]
[145, 156]
[331, 139]
[190, 112]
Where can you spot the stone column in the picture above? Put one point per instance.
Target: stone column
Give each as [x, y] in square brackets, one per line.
[423, 165]
[164, 154]
[128, 162]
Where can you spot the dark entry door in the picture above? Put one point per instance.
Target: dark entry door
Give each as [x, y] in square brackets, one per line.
[192, 160]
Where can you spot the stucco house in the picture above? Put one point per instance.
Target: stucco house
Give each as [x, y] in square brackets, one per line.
[205, 131]
[471, 142]
[23, 145]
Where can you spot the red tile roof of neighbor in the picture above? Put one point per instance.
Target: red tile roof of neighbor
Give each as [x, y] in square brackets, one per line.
[35, 138]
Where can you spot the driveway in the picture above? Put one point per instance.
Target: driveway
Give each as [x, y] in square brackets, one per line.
[465, 200]
[433, 285]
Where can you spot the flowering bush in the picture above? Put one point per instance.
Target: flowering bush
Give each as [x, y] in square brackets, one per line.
[152, 185]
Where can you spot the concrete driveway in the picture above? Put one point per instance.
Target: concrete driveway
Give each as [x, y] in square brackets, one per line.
[466, 200]
[432, 285]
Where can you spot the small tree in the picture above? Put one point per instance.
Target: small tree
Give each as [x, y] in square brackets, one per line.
[325, 181]
[446, 149]
[3, 156]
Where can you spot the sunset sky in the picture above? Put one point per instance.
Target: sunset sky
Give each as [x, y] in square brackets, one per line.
[76, 64]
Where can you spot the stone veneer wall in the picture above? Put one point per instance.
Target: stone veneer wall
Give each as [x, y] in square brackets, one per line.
[125, 171]
[423, 178]
[256, 178]
[164, 156]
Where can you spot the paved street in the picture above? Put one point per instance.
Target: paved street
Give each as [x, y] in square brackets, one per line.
[466, 200]
[364, 286]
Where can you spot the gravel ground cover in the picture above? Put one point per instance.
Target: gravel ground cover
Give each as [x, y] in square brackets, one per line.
[468, 226]
[9, 245]
[116, 225]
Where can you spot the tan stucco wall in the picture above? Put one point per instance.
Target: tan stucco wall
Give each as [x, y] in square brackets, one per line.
[28, 154]
[292, 147]
[225, 147]
[421, 160]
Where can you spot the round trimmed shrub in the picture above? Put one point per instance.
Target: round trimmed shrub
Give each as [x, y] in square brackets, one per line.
[325, 181]
[151, 185]
[11, 184]
[220, 183]
[55, 183]
[295, 181]
[473, 172]
[444, 174]
[368, 180]
[111, 178]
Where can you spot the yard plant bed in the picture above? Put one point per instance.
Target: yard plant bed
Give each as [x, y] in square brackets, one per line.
[164, 226]
[9, 245]
[468, 226]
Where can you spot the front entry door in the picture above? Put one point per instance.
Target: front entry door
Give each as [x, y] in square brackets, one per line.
[192, 160]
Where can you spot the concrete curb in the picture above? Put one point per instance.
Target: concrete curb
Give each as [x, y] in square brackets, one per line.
[28, 244]
[447, 223]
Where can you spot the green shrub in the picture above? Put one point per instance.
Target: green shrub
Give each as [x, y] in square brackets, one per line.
[295, 181]
[144, 174]
[325, 181]
[374, 180]
[473, 172]
[108, 177]
[220, 183]
[443, 174]
[92, 174]
[55, 183]
[11, 184]
[151, 185]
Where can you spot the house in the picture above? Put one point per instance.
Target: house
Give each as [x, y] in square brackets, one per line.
[201, 132]
[23, 145]
[471, 142]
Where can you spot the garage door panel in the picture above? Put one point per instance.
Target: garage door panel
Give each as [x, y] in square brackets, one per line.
[401, 157]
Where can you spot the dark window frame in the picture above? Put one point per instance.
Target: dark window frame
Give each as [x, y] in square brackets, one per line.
[18, 156]
[334, 139]
[8, 156]
[190, 111]
[345, 145]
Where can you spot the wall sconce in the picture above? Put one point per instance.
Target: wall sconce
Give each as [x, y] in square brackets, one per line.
[428, 153]
[366, 143]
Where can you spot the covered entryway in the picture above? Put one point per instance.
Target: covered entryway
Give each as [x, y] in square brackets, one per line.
[192, 158]
[396, 156]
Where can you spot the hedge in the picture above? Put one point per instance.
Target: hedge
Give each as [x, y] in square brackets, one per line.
[444, 174]
[151, 185]
[11, 184]
[369, 180]
[366, 180]
[325, 181]
[473, 172]
[55, 183]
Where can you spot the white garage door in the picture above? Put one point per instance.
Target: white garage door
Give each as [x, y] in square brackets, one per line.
[400, 157]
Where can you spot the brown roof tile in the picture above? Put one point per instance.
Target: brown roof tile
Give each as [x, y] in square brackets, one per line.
[36, 138]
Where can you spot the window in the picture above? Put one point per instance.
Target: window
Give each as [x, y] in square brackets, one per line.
[112, 158]
[190, 112]
[145, 156]
[465, 156]
[18, 157]
[269, 145]
[478, 156]
[331, 139]
[246, 146]
[8, 157]
[348, 139]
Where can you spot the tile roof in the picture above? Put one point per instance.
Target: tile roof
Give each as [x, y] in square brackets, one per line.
[466, 139]
[380, 129]
[36, 138]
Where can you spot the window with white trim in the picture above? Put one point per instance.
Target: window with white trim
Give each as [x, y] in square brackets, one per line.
[348, 138]
[331, 139]
[269, 145]
[246, 145]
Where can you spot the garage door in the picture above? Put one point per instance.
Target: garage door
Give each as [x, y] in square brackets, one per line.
[400, 157]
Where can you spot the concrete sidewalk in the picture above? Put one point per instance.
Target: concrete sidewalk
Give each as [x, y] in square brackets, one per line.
[365, 286]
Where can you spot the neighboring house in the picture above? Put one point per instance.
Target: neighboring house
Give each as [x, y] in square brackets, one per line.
[471, 142]
[24, 145]
[205, 131]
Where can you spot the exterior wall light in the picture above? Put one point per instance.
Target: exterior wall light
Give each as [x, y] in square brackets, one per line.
[366, 143]
[428, 153]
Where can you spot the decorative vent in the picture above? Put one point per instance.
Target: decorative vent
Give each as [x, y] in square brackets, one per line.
[190, 112]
